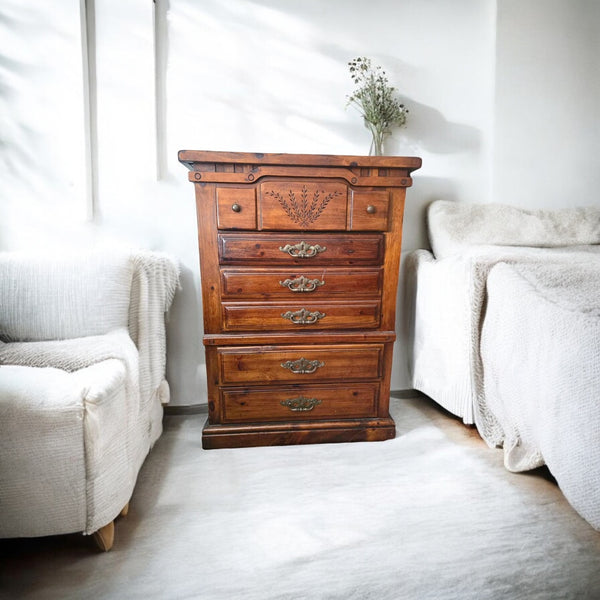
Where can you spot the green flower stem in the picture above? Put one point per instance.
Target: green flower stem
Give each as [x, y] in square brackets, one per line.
[375, 100]
[378, 135]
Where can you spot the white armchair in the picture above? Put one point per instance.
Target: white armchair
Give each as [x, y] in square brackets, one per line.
[82, 384]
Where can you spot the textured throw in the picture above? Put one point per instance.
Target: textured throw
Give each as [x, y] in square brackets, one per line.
[69, 355]
[454, 227]
[449, 308]
[155, 281]
[541, 346]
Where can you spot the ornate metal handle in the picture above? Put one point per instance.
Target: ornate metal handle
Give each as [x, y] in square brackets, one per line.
[303, 316]
[302, 284]
[302, 366]
[303, 250]
[300, 404]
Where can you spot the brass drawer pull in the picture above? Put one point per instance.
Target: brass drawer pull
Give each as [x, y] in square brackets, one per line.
[371, 209]
[302, 284]
[236, 207]
[302, 366]
[303, 316]
[303, 250]
[300, 404]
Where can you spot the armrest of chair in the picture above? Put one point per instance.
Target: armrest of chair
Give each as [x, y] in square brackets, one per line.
[155, 281]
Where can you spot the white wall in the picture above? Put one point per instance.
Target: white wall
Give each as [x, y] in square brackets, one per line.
[547, 110]
[271, 76]
[42, 139]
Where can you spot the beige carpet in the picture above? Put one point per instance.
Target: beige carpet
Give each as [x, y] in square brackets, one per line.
[431, 514]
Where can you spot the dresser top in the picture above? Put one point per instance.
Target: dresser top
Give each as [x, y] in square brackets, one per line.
[191, 158]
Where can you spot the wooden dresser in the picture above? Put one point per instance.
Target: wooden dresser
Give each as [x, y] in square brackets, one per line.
[299, 261]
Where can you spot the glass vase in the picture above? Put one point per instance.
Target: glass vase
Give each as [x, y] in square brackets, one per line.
[378, 137]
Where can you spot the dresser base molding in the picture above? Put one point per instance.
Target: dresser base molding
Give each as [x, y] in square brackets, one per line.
[235, 436]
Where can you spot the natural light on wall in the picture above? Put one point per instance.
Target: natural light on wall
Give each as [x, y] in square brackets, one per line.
[42, 141]
[262, 76]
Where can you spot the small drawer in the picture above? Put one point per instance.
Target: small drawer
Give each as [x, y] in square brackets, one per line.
[369, 210]
[299, 364]
[236, 208]
[268, 316]
[299, 403]
[306, 250]
[293, 205]
[288, 283]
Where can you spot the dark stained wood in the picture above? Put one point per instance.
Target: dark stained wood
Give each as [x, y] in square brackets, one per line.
[236, 208]
[301, 337]
[365, 430]
[302, 205]
[279, 403]
[298, 283]
[306, 250]
[196, 159]
[369, 210]
[299, 259]
[299, 314]
[299, 364]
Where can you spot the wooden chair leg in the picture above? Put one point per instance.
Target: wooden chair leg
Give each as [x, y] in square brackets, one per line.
[105, 536]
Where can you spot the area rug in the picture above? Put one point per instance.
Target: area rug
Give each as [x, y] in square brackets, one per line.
[431, 514]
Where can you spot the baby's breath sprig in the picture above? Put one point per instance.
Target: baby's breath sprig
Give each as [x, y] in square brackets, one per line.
[375, 99]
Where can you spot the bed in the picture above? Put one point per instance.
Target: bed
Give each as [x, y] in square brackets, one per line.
[501, 304]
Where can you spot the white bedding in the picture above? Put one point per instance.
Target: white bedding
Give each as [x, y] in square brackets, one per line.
[531, 281]
[449, 300]
[540, 348]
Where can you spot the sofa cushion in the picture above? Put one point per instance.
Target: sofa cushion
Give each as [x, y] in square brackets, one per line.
[60, 297]
[455, 226]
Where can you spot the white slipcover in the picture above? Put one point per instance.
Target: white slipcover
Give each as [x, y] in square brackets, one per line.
[81, 384]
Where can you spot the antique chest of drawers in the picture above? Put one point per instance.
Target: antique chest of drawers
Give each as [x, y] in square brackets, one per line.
[299, 262]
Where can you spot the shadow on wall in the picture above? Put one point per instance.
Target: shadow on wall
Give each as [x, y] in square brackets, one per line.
[418, 198]
[185, 358]
[427, 128]
[430, 131]
[414, 237]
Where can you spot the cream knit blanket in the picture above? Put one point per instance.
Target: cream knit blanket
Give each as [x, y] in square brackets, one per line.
[541, 350]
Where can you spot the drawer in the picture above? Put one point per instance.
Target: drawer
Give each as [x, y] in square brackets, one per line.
[288, 283]
[370, 209]
[236, 208]
[299, 364]
[299, 403]
[297, 317]
[306, 249]
[302, 205]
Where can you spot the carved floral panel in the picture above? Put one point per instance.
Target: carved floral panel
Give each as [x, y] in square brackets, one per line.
[303, 205]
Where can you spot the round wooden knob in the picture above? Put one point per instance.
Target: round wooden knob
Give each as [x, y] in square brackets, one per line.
[236, 208]
[371, 209]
